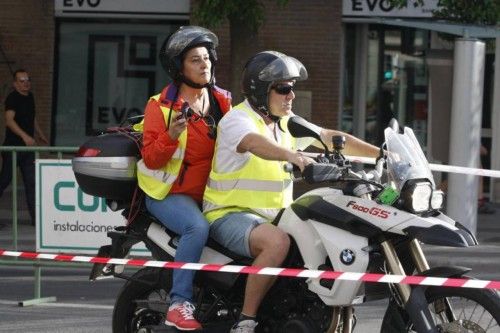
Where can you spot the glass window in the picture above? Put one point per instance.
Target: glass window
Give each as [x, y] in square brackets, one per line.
[348, 79]
[396, 81]
[105, 73]
[373, 85]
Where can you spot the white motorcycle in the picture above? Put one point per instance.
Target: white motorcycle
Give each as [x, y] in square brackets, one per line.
[361, 222]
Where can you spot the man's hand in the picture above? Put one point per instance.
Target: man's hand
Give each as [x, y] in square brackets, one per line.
[300, 160]
[29, 141]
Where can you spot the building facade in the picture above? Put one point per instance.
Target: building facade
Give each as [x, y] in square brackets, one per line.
[94, 62]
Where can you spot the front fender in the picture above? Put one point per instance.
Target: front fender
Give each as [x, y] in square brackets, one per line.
[446, 271]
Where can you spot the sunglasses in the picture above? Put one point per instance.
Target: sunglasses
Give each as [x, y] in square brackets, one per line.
[208, 120]
[282, 89]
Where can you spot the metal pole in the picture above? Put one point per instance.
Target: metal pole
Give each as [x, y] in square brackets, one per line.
[14, 200]
[38, 281]
[37, 290]
[495, 127]
[465, 134]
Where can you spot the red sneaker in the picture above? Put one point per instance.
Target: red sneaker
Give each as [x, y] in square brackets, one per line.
[181, 316]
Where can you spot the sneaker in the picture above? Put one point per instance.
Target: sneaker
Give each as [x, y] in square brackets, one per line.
[486, 208]
[180, 315]
[244, 326]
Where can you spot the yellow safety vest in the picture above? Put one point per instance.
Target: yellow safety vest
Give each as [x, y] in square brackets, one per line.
[157, 182]
[260, 186]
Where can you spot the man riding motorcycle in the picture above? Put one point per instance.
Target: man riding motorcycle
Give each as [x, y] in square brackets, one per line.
[248, 186]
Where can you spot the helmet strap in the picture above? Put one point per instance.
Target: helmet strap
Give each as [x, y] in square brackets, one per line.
[195, 85]
[264, 111]
[192, 84]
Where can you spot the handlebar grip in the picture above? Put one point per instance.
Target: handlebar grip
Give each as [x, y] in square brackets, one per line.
[320, 172]
[290, 167]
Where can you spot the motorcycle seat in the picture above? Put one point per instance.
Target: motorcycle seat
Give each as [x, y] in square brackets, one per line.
[211, 243]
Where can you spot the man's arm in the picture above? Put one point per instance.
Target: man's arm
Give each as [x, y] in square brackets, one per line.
[39, 132]
[267, 149]
[353, 145]
[14, 127]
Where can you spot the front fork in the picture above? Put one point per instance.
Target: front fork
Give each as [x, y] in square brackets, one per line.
[442, 307]
[413, 299]
[344, 315]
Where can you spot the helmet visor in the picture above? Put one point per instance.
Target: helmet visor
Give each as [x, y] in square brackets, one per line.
[283, 68]
[183, 38]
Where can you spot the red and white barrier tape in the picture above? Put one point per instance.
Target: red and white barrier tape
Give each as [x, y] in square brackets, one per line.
[289, 272]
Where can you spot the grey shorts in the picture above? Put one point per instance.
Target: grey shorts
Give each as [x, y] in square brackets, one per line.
[233, 231]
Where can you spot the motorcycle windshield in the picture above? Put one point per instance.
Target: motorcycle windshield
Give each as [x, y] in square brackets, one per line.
[405, 158]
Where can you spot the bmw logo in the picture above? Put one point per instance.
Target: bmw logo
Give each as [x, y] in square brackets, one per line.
[347, 257]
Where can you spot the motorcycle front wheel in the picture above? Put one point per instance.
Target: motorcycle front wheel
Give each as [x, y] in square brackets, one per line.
[473, 310]
[142, 301]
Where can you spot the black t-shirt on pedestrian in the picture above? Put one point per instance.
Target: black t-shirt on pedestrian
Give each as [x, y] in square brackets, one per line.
[24, 107]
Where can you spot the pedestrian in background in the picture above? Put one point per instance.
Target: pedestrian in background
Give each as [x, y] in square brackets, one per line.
[22, 129]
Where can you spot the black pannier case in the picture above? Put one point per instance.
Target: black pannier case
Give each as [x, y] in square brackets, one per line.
[111, 172]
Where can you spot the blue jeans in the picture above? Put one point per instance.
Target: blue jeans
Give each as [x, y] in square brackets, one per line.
[181, 214]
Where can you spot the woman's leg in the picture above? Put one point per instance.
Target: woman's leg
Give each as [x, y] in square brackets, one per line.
[181, 214]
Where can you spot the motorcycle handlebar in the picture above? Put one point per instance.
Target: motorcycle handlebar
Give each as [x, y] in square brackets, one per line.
[321, 172]
[290, 167]
[318, 172]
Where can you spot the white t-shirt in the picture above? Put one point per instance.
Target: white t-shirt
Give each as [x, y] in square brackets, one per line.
[233, 127]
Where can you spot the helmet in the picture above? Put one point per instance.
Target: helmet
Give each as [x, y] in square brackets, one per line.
[185, 38]
[263, 70]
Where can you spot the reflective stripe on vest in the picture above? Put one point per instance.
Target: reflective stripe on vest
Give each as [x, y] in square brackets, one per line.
[157, 182]
[249, 184]
[260, 186]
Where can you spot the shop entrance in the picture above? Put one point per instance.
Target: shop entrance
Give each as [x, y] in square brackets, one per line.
[396, 82]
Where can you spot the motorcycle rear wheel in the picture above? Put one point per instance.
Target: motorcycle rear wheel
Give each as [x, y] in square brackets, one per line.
[133, 310]
[475, 311]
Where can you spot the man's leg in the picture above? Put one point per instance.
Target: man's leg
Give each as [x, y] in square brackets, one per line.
[26, 162]
[249, 235]
[269, 246]
[6, 173]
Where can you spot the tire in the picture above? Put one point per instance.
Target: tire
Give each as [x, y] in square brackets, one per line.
[396, 320]
[146, 284]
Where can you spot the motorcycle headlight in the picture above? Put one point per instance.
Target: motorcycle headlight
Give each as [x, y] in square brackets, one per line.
[417, 196]
[437, 200]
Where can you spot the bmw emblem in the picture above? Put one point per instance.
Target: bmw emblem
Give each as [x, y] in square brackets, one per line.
[347, 257]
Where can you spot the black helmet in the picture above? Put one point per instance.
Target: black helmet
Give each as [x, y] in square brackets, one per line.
[185, 38]
[263, 70]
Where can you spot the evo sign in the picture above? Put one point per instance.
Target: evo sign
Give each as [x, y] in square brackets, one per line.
[170, 9]
[69, 220]
[385, 8]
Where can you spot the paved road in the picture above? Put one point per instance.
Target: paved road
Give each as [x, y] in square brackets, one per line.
[83, 306]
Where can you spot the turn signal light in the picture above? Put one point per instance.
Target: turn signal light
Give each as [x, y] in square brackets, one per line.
[87, 152]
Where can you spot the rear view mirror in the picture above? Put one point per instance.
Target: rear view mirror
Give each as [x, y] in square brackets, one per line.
[301, 128]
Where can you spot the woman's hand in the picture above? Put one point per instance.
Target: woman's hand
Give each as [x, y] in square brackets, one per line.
[177, 127]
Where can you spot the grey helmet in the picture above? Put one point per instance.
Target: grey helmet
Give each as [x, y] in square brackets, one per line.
[185, 38]
[263, 70]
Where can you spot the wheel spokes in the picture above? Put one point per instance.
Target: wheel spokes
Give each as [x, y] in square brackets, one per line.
[470, 317]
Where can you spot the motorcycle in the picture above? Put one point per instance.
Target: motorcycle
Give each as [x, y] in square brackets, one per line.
[358, 221]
